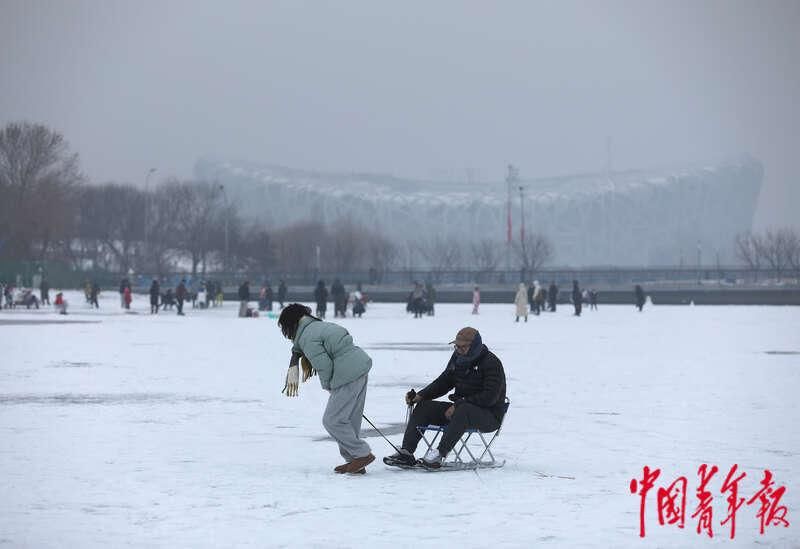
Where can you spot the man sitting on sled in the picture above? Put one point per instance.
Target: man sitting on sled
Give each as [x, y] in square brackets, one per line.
[479, 381]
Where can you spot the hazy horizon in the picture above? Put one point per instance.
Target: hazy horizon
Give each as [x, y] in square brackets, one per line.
[455, 90]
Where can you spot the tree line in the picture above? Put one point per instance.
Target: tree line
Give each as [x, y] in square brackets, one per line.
[775, 249]
[50, 212]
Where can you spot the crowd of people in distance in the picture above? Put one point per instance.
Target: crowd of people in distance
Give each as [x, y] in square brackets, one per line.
[12, 297]
[529, 299]
[343, 300]
[421, 300]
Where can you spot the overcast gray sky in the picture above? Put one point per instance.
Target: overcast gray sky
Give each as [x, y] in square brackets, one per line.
[420, 89]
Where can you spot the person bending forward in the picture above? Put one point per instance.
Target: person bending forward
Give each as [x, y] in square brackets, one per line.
[328, 350]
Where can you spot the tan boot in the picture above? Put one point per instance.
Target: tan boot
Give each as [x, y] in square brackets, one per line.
[341, 468]
[357, 464]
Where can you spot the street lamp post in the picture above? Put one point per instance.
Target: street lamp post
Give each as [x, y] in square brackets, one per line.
[225, 215]
[699, 263]
[150, 172]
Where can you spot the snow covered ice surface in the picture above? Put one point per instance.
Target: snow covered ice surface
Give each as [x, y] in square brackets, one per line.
[132, 430]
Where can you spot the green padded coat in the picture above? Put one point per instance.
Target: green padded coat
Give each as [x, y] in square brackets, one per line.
[330, 349]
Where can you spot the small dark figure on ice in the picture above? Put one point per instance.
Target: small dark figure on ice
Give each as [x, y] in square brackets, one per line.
[430, 297]
[282, 290]
[94, 292]
[180, 295]
[265, 298]
[577, 298]
[552, 296]
[321, 298]
[244, 298]
[339, 295]
[155, 294]
[593, 299]
[44, 291]
[640, 299]
[416, 301]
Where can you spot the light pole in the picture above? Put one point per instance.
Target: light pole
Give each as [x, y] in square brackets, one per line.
[699, 263]
[522, 232]
[150, 172]
[225, 215]
[511, 178]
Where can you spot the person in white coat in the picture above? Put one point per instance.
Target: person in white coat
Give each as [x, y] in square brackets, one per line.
[521, 301]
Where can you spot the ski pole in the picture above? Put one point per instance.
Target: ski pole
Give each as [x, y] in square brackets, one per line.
[381, 434]
[410, 405]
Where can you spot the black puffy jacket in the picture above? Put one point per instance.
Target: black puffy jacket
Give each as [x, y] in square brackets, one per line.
[481, 382]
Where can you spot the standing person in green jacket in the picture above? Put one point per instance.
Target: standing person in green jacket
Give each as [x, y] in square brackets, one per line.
[327, 349]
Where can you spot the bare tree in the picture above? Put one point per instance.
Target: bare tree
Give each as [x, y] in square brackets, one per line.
[776, 249]
[164, 209]
[259, 255]
[382, 254]
[533, 252]
[793, 252]
[295, 246]
[344, 246]
[748, 250]
[441, 254]
[38, 176]
[199, 205]
[486, 254]
[111, 216]
[779, 249]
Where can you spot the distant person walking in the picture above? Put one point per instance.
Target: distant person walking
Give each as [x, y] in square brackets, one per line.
[155, 294]
[593, 299]
[430, 297]
[122, 285]
[282, 291]
[359, 300]
[321, 298]
[639, 296]
[93, 293]
[521, 301]
[577, 298]
[552, 296]
[538, 298]
[417, 300]
[531, 294]
[44, 291]
[476, 300]
[244, 298]
[339, 295]
[180, 295]
[127, 297]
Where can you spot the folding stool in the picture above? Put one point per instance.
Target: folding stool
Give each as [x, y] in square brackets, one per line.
[455, 459]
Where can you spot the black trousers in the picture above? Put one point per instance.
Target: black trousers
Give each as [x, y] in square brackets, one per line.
[466, 416]
[180, 305]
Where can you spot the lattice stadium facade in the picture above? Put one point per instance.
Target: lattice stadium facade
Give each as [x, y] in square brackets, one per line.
[624, 218]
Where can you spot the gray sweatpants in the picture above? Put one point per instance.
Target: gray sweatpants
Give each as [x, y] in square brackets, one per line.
[342, 418]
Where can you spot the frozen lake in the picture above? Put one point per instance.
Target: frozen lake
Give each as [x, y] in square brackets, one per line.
[139, 430]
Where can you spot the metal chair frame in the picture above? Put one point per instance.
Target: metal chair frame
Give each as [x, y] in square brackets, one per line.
[456, 461]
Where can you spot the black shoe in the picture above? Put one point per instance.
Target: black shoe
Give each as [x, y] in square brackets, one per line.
[403, 458]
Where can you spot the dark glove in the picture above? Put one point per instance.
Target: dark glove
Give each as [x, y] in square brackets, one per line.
[455, 399]
[410, 396]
